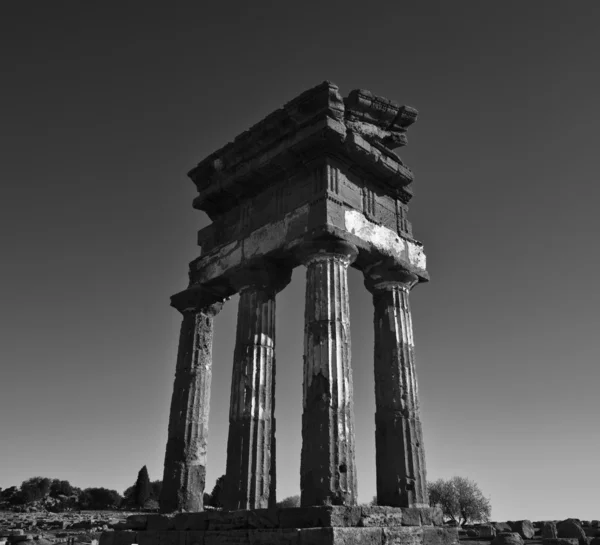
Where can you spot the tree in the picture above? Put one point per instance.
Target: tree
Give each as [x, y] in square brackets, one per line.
[155, 489]
[216, 496]
[36, 488]
[128, 495]
[99, 498]
[11, 495]
[60, 488]
[460, 499]
[142, 489]
[290, 501]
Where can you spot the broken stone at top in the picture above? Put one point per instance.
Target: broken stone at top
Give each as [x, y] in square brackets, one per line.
[362, 128]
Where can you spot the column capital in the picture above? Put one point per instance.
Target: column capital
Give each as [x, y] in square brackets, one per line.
[386, 274]
[269, 275]
[198, 299]
[316, 249]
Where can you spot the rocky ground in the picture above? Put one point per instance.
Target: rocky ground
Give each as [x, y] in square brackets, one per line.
[44, 528]
[525, 532]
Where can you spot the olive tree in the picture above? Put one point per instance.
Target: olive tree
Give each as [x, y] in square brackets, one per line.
[460, 499]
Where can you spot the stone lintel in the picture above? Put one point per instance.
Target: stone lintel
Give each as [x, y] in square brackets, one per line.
[218, 273]
[326, 516]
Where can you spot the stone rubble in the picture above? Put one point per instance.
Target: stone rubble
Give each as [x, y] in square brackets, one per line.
[44, 528]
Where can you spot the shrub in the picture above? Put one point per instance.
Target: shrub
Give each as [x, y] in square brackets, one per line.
[155, 490]
[99, 498]
[290, 501]
[216, 496]
[60, 488]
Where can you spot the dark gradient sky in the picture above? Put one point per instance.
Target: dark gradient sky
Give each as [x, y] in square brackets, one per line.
[104, 108]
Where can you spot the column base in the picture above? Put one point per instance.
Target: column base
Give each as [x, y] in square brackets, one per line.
[321, 525]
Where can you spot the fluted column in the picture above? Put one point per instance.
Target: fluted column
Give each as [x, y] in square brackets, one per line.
[250, 479]
[327, 470]
[400, 454]
[185, 459]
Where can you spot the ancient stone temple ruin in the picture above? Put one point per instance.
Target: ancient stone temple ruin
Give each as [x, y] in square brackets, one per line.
[316, 183]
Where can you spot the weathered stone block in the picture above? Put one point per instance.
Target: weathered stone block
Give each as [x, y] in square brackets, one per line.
[548, 530]
[171, 537]
[107, 538]
[194, 537]
[160, 522]
[486, 531]
[137, 522]
[508, 538]
[125, 537]
[319, 516]
[560, 541]
[402, 536]
[343, 516]
[357, 536]
[572, 529]
[343, 536]
[227, 537]
[432, 516]
[282, 536]
[264, 518]
[440, 536]
[148, 537]
[411, 516]
[316, 536]
[502, 527]
[191, 521]
[524, 528]
[380, 516]
[227, 520]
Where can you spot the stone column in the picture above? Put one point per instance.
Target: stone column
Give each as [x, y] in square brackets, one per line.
[185, 458]
[400, 455]
[327, 467]
[250, 479]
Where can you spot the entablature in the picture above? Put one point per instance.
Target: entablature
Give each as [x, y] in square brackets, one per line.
[361, 129]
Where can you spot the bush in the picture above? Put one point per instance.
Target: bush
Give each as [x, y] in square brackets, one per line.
[34, 489]
[460, 499]
[290, 501]
[150, 503]
[99, 498]
[11, 496]
[155, 490]
[61, 488]
[215, 499]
